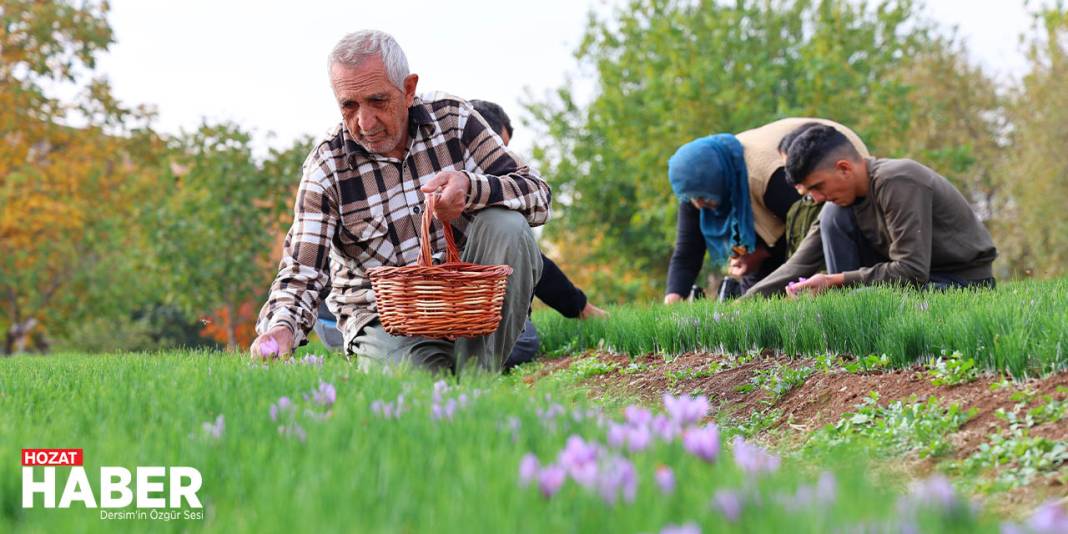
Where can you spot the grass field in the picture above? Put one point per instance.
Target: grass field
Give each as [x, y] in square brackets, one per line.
[334, 461]
[1021, 327]
[319, 445]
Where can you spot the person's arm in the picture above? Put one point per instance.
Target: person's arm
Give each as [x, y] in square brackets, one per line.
[907, 205]
[292, 304]
[807, 261]
[779, 195]
[689, 251]
[500, 178]
[556, 290]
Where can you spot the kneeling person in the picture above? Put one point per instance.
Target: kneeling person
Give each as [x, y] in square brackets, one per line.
[886, 221]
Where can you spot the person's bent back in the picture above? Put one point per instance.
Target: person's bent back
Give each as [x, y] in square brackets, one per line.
[891, 221]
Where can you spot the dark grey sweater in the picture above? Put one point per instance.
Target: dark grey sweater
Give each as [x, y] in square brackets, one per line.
[913, 216]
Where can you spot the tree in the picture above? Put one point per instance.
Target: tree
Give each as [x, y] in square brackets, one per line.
[64, 190]
[218, 228]
[1036, 241]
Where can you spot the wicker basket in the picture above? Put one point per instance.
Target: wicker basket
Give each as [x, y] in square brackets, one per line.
[447, 301]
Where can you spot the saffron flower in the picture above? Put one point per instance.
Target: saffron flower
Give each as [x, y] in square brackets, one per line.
[268, 347]
[215, 430]
[792, 288]
[665, 427]
[550, 479]
[528, 469]
[637, 416]
[753, 459]
[665, 479]
[617, 476]
[638, 438]
[579, 460]
[325, 395]
[1050, 518]
[728, 503]
[282, 405]
[702, 442]
[688, 528]
[312, 359]
[617, 435]
[685, 409]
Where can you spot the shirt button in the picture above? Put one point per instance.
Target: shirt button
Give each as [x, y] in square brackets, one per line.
[417, 210]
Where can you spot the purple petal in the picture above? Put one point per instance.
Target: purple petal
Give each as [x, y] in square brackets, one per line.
[528, 469]
[665, 479]
[550, 479]
[729, 504]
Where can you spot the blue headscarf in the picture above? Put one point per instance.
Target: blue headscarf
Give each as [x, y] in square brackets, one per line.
[713, 167]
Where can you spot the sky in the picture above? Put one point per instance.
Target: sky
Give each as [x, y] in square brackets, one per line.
[262, 64]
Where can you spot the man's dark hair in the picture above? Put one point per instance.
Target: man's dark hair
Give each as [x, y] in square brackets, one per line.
[788, 139]
[494, 115]
[815, 149]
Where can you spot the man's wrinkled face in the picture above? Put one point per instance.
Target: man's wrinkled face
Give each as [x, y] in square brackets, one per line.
[374, 110]
[832, 184]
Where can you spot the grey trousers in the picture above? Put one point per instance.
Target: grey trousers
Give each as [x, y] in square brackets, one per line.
[496, 236]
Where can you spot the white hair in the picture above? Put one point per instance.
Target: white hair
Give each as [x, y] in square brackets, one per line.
[356, 47]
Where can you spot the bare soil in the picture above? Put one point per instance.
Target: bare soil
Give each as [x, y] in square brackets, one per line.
[825, 397]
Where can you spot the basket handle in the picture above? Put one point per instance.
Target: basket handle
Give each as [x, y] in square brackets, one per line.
[425, 256]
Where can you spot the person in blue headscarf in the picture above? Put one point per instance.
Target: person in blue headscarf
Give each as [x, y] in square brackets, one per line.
[734, 200]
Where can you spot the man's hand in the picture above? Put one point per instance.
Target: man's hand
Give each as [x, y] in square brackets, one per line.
[274, 343]
[453, 198]
[815, 285]
[744, 264]
[590, 311]
[672, 298]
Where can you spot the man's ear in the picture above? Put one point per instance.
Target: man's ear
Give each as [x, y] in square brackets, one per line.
[844, 165]
[409, 88]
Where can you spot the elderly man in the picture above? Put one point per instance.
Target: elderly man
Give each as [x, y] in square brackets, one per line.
[360, 200]
[891, 221]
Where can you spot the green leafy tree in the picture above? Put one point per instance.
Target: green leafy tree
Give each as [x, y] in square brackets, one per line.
[66, 193]
[218, 228]
[1035, 236]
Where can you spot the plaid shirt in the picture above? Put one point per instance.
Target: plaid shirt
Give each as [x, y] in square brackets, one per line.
[356, 210]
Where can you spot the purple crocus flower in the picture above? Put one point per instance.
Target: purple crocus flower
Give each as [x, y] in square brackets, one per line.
[1049, 518]
[936, 490]
[665, 479]
[579, 459]
[325, 395]
[753, 459]
[685, 409]
[550, 478]
[638, 438]
[728, 503]
[702, 442]
[443, 411]
[688, 528]
[665, 427]
[617, 476]
[528, 469]
[440, 388]
[215, 430]
[637, 416]
[617, 435]
[312, 359]
[283, 404]
[269, 347]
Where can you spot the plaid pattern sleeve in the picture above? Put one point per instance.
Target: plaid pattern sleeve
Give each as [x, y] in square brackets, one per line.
[302, 272]
[499, 178]
[356, 210]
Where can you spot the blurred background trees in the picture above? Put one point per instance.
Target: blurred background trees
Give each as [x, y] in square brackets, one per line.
[114, 236]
